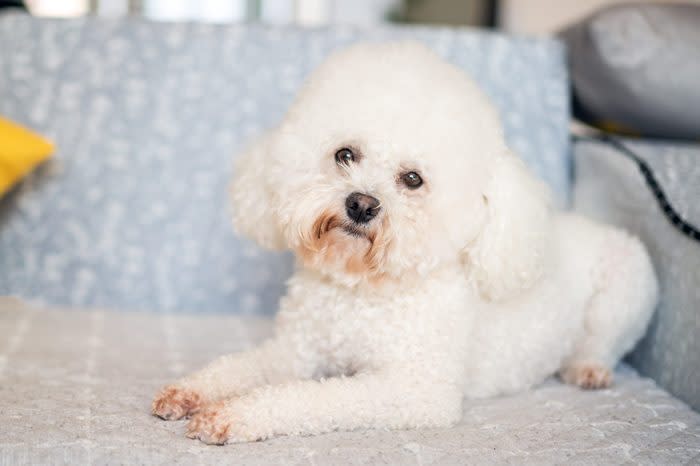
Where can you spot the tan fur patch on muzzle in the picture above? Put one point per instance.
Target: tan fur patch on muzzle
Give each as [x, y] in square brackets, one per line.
[328, 245]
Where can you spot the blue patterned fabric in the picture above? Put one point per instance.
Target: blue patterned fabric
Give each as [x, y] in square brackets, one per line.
[132, 212]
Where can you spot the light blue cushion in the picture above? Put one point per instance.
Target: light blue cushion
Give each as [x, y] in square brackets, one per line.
[132, 213]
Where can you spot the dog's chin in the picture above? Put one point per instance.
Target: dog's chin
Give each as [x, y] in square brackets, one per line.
[337, 246]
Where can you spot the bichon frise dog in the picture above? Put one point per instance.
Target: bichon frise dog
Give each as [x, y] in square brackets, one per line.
[430, 264]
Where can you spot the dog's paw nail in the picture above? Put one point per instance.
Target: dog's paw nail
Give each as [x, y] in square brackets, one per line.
[174, 402]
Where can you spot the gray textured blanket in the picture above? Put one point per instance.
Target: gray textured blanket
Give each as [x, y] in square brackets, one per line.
[75, 387]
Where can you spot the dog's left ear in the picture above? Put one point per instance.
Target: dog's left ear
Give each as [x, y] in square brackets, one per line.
[506, 257]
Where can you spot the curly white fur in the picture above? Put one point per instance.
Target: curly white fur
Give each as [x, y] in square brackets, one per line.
[469, 285]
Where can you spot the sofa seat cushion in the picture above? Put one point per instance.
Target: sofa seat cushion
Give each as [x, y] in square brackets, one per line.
[76, 388]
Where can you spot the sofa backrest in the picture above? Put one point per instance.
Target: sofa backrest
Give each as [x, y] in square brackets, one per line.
[132, 212]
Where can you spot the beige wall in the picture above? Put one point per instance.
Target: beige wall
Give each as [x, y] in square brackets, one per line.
[541, 17]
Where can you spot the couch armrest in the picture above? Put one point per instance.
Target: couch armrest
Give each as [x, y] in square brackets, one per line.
[611, 188]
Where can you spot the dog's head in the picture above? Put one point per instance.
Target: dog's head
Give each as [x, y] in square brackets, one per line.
[392, 162]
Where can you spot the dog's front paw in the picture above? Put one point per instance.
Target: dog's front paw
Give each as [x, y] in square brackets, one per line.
[217, 424]
[174, 402]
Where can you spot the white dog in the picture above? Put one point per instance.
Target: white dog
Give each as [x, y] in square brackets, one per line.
[430, 264]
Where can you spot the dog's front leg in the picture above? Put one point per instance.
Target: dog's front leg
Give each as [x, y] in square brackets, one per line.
[273, 362]
[371, 400]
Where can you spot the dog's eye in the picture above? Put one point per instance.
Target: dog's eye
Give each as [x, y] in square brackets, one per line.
[412, 180]
[344, 156]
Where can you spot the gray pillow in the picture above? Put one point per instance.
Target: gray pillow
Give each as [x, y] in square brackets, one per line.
[636, 69]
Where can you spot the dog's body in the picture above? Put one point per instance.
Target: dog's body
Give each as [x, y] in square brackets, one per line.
[430, 265]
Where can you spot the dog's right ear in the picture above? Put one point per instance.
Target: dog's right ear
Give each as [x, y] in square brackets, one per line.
[508, 256]
[253, 201]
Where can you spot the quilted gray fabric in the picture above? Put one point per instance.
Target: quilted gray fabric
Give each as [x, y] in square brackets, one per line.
[132, 212]
[609, 187]
[75, 388]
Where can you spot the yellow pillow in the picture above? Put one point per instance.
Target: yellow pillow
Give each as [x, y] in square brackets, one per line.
[20, 151]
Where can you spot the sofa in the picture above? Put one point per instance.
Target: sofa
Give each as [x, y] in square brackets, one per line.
[120, 271]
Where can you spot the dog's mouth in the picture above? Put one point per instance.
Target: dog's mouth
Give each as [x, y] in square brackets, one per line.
[326, 223]
[352, 230]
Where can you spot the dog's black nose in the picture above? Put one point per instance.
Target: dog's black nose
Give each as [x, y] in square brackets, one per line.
[361, 208]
